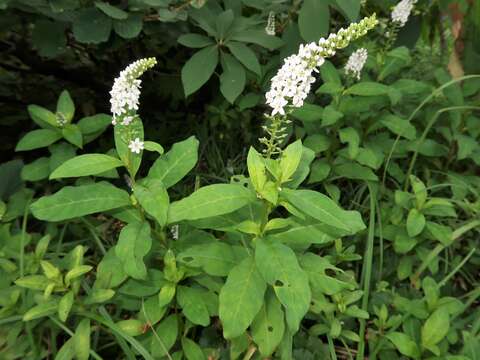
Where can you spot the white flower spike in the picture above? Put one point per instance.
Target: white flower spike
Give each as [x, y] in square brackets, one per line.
[356, 62]
[401, 12]
[136, 146]
[125, 92]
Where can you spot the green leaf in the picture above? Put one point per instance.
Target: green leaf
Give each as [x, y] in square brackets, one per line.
[208, 201]
[153, 197]
[330, 116]
[355, 171]
[65, 106]
[35, 282]
[399, 126]
[41, 310]
[415, 222]
[86, 165]
[245, 55]
[351, 137]
[195, 40]
[419, 190]
[111, 11]
[232, 80]
[404, 344]
[76, 272]
[192, 350]
[319, 171]
[73, 135]
[37, 139]
[171, 167]
[241, 298]
[223, 23]
[42, 116]
[216, 258]
[131, 160]
[324, 209]
[268, 326]
[313, 20]
[71, 202]
[167, 332]
[81, 340]
[199, 68]
[65, 305]
[367, 88]
[133, 244]
[350, 8]
[193, 306]
[91, 26]
[290, 160]
[256, 169]
[36, 170]
[129, 28]
[435, 328]
[98, 296]
[258, 37]
[279, 267]
[48, 37]
[132, 327]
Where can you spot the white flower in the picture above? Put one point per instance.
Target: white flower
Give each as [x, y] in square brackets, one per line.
[125, 92]
[355, 63]
[401, 11]
[270, 28]
[136, 146]
[127, 120]
[174, 231]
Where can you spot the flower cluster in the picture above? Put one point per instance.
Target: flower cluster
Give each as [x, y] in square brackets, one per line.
[270, 28]
[291, 85]
[402, 11]
[125, 92]
[355, 63]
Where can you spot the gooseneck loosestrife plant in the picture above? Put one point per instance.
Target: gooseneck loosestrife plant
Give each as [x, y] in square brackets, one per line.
[227, 249]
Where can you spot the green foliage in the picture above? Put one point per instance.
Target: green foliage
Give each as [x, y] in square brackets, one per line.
[354, 237]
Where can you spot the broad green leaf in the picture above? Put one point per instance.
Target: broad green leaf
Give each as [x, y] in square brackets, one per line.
[366, 88]
[350, 8]
[65, 305]
[49, 37]
[436, 327]
[37, 139]
[98, 296]
[65, 107]
[303, 168]
[153, 197]
[415, 222]
[92, 126]
[223, 23]
[75, 201]
[112, 11]
[36, 170]
[353, 170]
[441, 233]
[81, 340]
[256, 169]
[66, 352]
[399, 126]
[258, 37]
[42, 116]
[199, 68]
[193, 306]
[318, 142]
[232, 80]
[351, 137]
[167, 332]
[313, 20]
[210, 200]
[330, 115]
[171, 167]
[76, 272]
[308, 113]
[133, 244]
[404, 344]
[132, 327]
[245, 55]
[41, 310]
[195, 40]
[86, 165]
[279, 267]
[316, 268]
[216, 258]
[129, 28]
[268, 326]
[324, 209]
[290, 160]
[241, 298]
[192, 350]
[91, 26]
[35, 282]
[319, 171]
[73, 135]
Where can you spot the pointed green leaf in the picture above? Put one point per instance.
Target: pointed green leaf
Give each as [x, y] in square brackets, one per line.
[86, 165]
[37, 139]
[199, 68]
[232, 80]
[153, 197]
[245, 55]
[65, 107]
